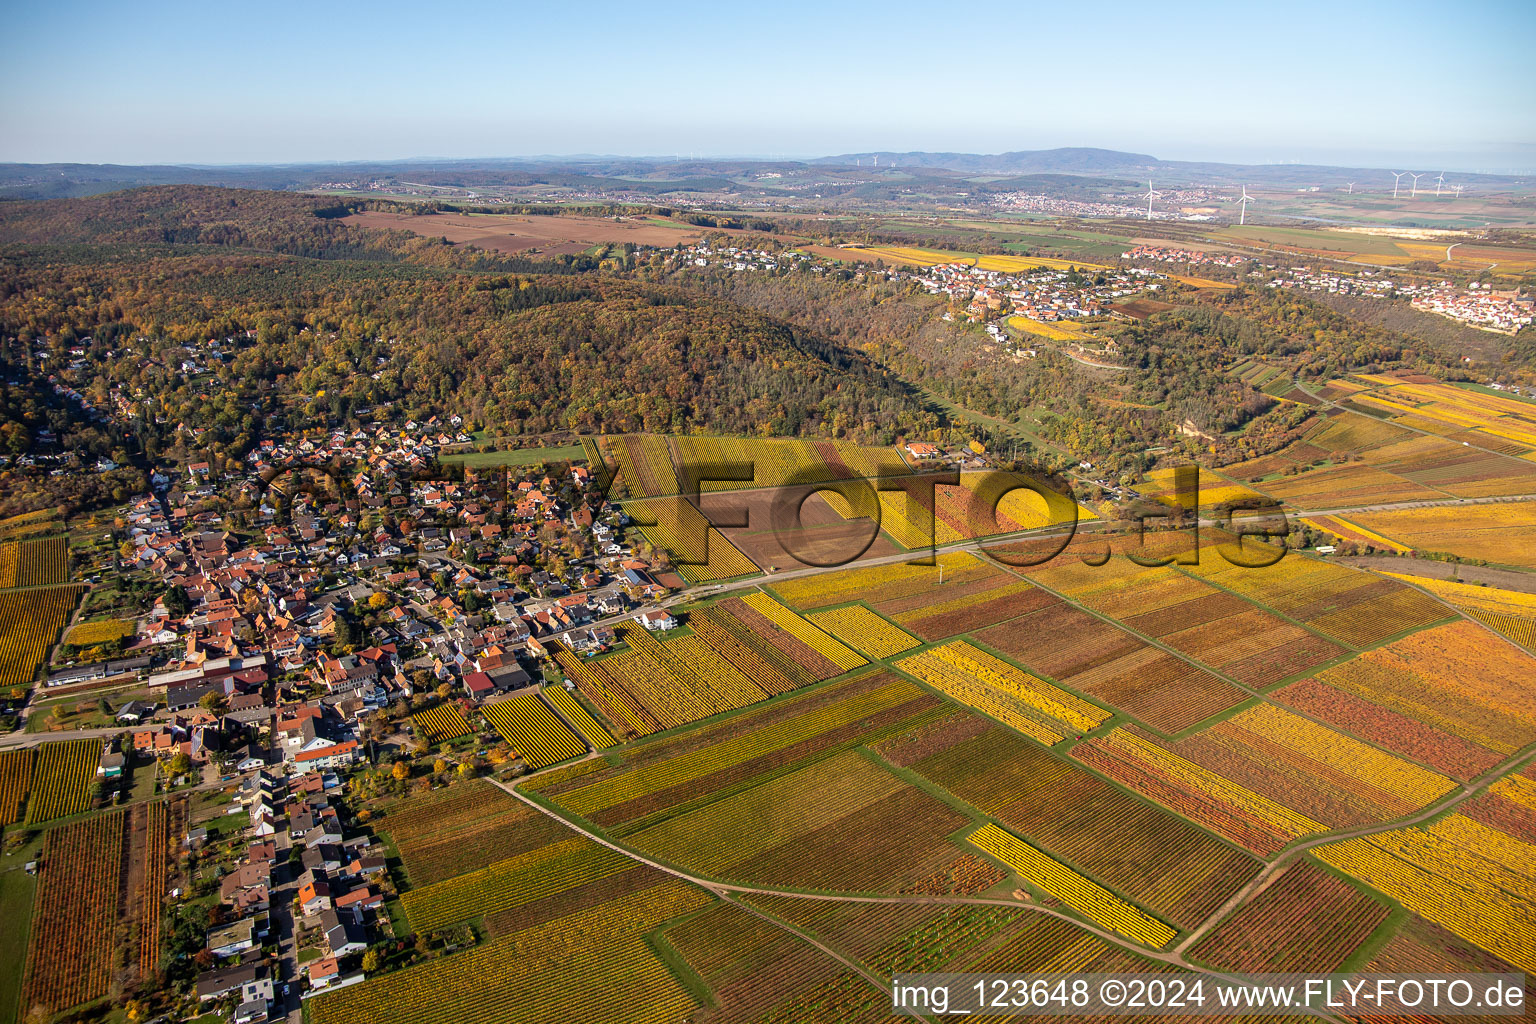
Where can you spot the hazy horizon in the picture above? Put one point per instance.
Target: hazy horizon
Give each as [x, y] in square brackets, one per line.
[1364, 85]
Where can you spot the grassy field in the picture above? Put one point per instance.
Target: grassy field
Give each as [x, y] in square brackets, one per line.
[16, 889]
[522, 457]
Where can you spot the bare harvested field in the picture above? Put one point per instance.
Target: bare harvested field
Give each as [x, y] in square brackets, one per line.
[550, 236]
[822, 534]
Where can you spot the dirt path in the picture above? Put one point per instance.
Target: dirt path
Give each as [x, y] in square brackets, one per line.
[1262, 879]
[725, 890]
[1508, 579]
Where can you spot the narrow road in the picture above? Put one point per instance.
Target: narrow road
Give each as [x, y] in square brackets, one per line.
[725, 890]
[1264, 877]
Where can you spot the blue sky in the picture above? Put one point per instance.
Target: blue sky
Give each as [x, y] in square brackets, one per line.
[1345, 81]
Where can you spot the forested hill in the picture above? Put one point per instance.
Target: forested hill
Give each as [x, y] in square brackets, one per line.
[385, 325]
[298, 225]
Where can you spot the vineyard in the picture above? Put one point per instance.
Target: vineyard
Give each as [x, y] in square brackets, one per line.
[1511, 612]
[15, 780]
[578, 717]
[678, 770]
[44, 520]
[1050, 331]
[1252, 821]
[154, 854]
[1509, 805]
[1473, 880]
[1349, 607]
[466, 828]
[1445, 409]
[1116, 667]
[778, 462]
[794, 657]
[88, 634]
[886, 582]
[859, 627]
[699, 551]
[30, 621]
[61, 779]
[1014, 697]
[510, 882]
[1306, 920]
[653, 685]
[71, 950]
[442, 723]
[1265, 776]
[1344, 530]
[539, 737]
[1442, 751]
[34, 563]
[1452, 679]
[806, 632]
[841, 822]
[572, 967]
[1092, 901]
[949, 613]
[1164, 863]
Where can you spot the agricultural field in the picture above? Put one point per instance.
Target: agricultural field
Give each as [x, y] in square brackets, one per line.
[1350, 458]
[757, 971]
[1473, 880]
[577, 717]
[464, 828]
[700, 552]
[1266, 776]
[88, 634]
[1451, 678]
[30, 621]
[652, 779]
[1049, 331]
[1019, 700]
[62, 774]
[1350, 608]
[858, 627]
[1306, 920]
[1344, 530]
[1137, 849]
[781, 618]
[442, 723]
[1503, 534]
[70, 956]
[1164, 485]
[841, 823]
[1051, 876]
[510, 882]
[1113, 666]
[539, 236]
[917, 513]
[590, 962]
[15, 780]
[916, 257]
[1502, 424]
[734, 657]
[1511, 612]
[31, 524]
[34, 563]
[534, 731]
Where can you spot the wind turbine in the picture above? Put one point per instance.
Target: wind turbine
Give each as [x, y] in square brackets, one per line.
[1399, 176]
[1457, 189]
[1439, 183]
[1151, 195]
[1242, 218]
[1415, 178]
[1351, 189]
